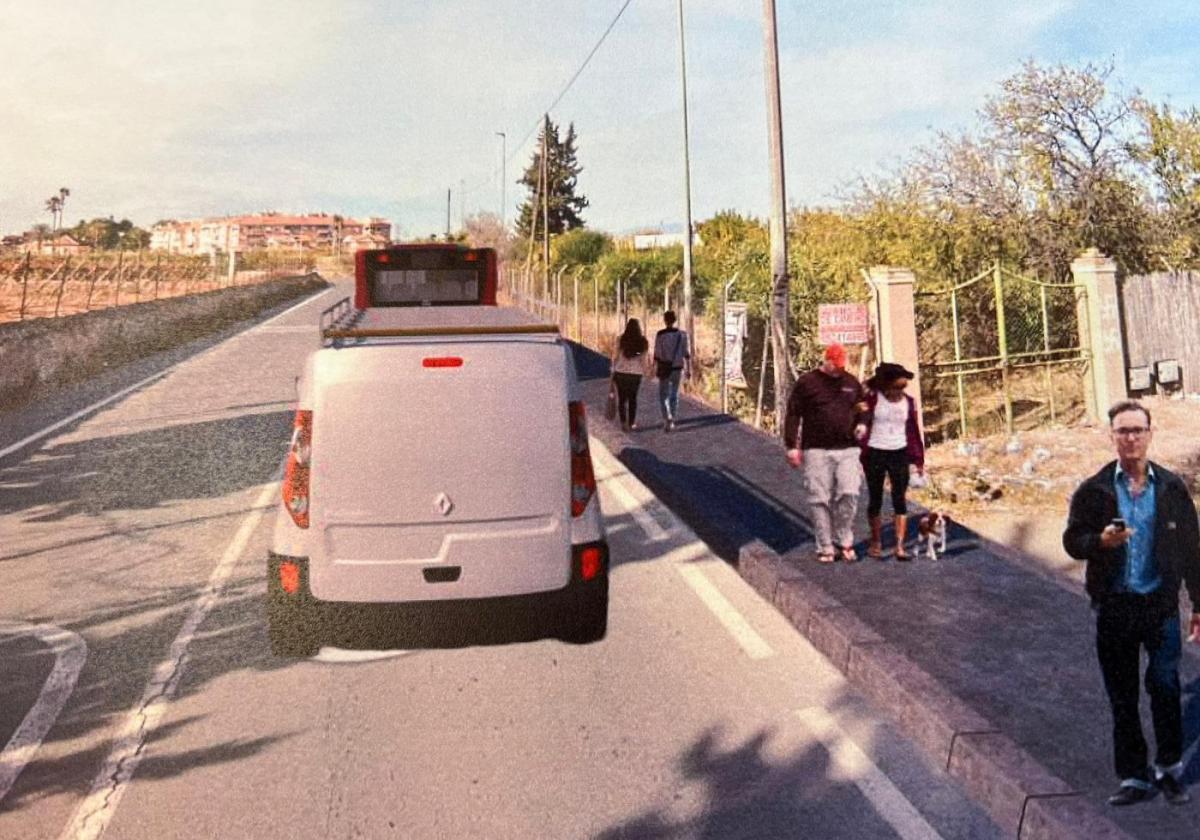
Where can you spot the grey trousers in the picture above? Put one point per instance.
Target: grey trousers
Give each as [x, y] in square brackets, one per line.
[832, 479]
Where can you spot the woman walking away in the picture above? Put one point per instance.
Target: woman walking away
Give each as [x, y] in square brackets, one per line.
[629, 365]
[893, 443]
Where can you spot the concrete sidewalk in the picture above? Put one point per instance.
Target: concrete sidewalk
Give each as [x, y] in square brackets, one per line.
[986, 662]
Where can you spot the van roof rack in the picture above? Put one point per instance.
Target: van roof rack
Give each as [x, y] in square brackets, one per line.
[343, 321]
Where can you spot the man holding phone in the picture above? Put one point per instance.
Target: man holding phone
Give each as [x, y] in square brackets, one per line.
[1135, 524]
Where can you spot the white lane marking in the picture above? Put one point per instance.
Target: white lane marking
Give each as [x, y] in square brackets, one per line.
[746, 636]
[83, 412]
[293, 308]
[93, 815]
[54, 427]
[70, 652]
[682, 557]
[610, 474]
[287, 328]
[849, 763]
[342, 656]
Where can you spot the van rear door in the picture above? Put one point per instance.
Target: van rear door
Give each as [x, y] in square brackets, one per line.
[449, 455]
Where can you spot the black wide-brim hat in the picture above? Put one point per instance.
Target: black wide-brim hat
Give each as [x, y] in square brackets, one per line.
[888, 372]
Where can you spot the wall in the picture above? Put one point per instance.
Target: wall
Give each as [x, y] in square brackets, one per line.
[1161, 314]
[46, 352]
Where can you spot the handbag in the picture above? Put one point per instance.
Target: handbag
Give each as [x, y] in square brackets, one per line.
[610, 407]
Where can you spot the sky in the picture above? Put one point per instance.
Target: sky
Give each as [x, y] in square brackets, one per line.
[154, 110]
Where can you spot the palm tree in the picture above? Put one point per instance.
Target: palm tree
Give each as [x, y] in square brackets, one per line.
[54, 205]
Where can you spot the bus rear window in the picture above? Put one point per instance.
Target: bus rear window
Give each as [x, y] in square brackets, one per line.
[400, 287]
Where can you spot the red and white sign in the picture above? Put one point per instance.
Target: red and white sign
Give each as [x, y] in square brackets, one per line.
[843, 323]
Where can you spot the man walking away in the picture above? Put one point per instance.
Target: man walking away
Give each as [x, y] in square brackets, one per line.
[1135, 524]
[827, 407]
[671, 355]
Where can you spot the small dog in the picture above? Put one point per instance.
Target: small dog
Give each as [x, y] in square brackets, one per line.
[932, 530]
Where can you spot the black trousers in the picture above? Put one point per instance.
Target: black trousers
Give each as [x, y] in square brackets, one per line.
[1124, 625]
[892, 464]
[627, 391]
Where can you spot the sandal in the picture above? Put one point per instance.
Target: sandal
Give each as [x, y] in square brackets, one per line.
[901, 554]
[875, 552]
[824, 556]
[848, 553]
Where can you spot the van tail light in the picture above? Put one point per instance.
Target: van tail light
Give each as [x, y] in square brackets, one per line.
[583, 479]
[289, 577]
[295, 474]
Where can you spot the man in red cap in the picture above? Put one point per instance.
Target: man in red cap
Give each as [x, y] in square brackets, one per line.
[826, 417]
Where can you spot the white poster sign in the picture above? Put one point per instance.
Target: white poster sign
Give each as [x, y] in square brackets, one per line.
[735, 336]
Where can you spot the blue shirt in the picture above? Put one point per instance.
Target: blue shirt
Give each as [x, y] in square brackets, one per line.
[1141, 570]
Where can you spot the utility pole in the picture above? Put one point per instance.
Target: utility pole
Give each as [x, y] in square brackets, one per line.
[546, 201]
[503, 178]
[779, 267]
[688, 323]
[447, 214]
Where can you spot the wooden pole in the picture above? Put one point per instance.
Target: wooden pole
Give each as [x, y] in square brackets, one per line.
[25, 285]
[780, 311]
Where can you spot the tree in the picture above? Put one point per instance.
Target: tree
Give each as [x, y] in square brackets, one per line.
[1169, 148]
[1067, 138]
[581, 247]
[562, 174]
[485, 230]
[54, 205]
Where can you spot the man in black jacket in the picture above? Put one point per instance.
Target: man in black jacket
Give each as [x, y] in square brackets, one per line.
[825, 419]
[1135, 524]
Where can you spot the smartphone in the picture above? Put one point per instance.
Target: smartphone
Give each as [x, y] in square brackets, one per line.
[1118, 523]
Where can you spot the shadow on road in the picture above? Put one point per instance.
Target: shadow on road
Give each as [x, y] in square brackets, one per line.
[147, 469]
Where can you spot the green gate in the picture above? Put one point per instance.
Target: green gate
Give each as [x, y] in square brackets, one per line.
[1001, 352]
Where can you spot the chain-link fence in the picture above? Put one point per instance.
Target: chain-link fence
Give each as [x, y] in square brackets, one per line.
[591, 306]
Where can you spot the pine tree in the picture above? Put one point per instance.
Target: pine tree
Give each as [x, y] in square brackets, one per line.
[563, 174]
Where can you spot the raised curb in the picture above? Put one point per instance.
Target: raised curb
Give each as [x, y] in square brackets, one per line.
[1020, 795]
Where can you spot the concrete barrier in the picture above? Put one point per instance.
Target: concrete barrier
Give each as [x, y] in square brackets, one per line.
[46, 352]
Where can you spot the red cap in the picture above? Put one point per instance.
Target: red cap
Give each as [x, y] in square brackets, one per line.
[835, 354]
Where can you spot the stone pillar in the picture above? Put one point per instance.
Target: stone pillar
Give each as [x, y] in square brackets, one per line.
[1099, 315]
[894, 318]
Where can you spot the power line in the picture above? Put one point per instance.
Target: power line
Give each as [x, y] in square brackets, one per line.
[517, 148]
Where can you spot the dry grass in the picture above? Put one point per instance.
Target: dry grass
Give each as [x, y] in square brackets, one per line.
[1037, 470]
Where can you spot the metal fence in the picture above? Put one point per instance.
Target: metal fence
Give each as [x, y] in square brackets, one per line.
[999, 352]
[52, 287]
[592, 308]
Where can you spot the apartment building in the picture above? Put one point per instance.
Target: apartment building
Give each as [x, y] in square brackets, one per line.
[269, 230]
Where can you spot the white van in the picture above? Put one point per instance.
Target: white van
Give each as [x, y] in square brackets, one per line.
[439, 453]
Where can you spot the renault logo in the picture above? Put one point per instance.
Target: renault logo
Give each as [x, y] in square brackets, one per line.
[443, 504]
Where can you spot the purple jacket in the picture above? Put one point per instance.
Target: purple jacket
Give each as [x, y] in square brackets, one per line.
[912, 430]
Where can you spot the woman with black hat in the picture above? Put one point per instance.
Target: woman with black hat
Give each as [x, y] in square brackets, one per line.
[892, 444]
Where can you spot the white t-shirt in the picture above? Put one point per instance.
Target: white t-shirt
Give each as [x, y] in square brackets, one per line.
[888, 428]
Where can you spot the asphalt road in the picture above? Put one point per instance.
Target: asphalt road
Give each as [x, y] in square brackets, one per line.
[139, 698]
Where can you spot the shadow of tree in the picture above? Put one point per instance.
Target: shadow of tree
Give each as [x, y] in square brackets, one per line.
[146, 469]
[746, 795]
